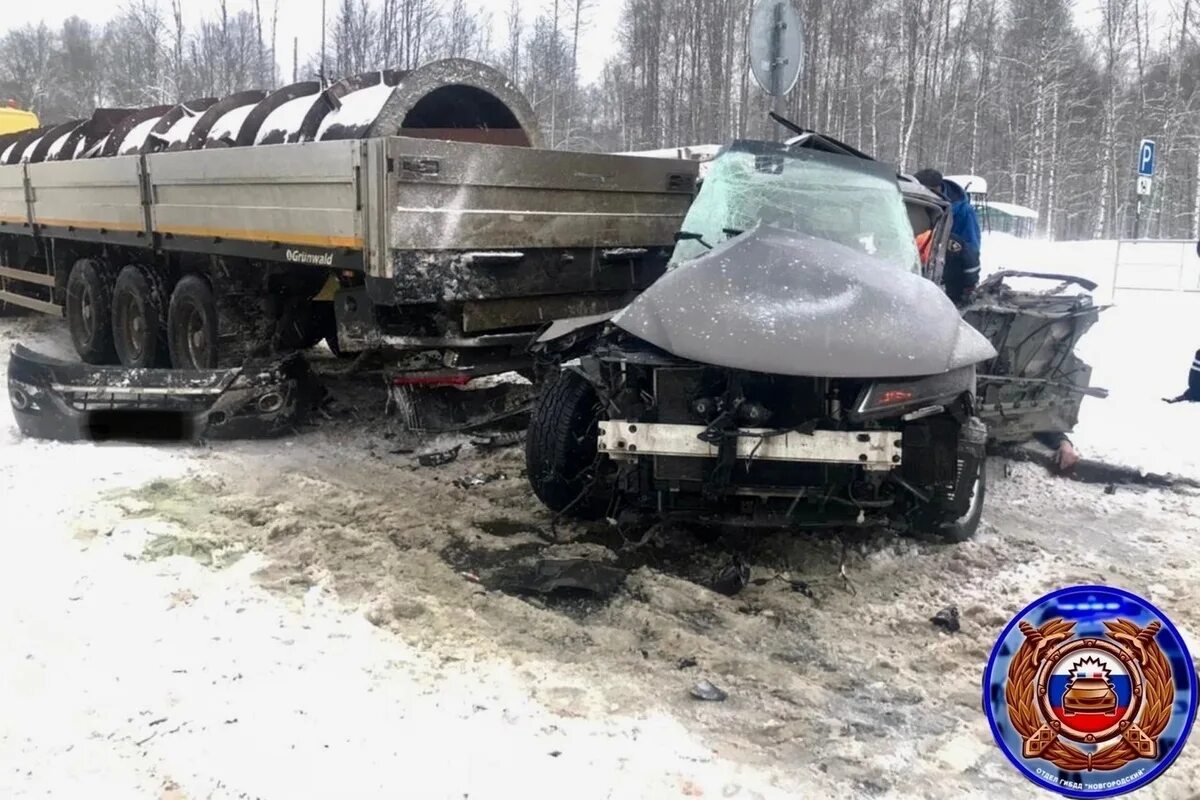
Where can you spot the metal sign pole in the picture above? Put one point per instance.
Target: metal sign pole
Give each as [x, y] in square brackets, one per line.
[776, 91]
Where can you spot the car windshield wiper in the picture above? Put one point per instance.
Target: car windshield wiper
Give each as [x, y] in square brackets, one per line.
[691, 236]
[732, 232]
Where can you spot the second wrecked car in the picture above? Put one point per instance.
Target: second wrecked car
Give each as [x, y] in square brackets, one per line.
[793, 367]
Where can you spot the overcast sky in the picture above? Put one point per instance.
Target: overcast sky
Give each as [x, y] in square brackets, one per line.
[302, 19]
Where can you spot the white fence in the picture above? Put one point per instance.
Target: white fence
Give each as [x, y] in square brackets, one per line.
[1159, 265]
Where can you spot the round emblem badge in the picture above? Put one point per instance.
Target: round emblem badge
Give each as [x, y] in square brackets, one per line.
[1090, 691]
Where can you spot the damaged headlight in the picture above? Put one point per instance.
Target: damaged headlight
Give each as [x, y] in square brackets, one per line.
[892, 398]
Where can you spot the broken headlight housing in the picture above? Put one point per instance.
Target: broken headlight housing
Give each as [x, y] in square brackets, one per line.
[894, 398]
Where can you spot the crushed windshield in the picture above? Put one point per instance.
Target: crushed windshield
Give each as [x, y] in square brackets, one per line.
[837, 198]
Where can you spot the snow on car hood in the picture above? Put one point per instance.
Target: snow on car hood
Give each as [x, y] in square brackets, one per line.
[779, 302]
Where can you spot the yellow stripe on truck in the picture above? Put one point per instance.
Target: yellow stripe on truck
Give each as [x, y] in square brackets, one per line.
[311, 240]
[308, 240]
[75, 223]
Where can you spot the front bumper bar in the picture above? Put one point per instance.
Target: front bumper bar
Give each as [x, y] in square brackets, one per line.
[53, 399]
[872, 450]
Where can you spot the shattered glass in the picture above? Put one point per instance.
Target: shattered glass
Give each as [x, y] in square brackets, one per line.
[849, 201]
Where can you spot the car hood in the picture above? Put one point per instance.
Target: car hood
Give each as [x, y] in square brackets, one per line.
[784, 303]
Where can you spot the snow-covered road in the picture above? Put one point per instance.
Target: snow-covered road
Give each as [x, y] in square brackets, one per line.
[291, 619]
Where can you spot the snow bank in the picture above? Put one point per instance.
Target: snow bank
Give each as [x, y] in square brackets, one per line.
[1141, 350]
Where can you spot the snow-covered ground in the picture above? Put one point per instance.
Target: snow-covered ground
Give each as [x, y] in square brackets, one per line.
[1140, 350]
[302, 619]
[131, 671]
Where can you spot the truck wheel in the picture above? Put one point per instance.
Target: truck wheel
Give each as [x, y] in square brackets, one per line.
[560, 446]
[192, 325]
[138, 318]
[89, 311]
[937, 521]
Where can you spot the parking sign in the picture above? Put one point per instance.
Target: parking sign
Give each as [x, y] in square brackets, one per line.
[1146, 158]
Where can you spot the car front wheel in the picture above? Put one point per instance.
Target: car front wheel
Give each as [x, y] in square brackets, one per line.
[560, 447]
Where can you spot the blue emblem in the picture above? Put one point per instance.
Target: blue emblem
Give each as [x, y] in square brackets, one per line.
[1090, 691]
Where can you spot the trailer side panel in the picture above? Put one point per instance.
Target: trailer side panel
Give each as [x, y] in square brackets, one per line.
[97, 198]
[448, 195]
[300, 198]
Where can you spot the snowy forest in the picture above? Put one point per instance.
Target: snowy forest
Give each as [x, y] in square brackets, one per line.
[1018, 91]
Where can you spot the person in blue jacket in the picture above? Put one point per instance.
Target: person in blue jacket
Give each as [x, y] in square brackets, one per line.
[962, 256]
[1192, 395]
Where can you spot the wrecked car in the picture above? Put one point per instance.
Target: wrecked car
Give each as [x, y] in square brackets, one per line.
[793, 367]
[1036, 383]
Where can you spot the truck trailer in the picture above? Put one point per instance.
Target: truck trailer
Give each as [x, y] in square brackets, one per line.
[414, 212]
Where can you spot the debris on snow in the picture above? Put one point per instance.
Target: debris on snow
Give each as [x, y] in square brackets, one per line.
[493, 441]
[561, 576]
[479, 479]
[705, 690]
[947, 619]
[732, 578]
[439, 458]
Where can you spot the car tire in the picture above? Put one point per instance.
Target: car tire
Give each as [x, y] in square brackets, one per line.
[192, 325]
[139, 318]
[936, 520]
[560, 446]
[89, 311]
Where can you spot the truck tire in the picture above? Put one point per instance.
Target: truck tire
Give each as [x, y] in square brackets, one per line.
[192, 325]
[560, 446]
[139, 318]
[89, 311]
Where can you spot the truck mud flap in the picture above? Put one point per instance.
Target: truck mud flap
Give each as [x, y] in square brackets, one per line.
[53, 399]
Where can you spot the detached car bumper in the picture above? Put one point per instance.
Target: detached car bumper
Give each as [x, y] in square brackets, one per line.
[53, 399]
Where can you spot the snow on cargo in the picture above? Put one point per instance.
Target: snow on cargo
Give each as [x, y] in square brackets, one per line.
[283, 124]
[96, 148]
[136, 138]
[179, 132]
[356, 109]
[226, 128]
[55, 148]
[29, 150]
